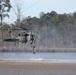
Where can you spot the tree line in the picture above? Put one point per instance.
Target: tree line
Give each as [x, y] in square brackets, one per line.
[53, 30]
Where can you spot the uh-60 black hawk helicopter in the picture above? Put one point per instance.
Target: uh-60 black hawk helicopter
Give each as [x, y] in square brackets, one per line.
[25, 36]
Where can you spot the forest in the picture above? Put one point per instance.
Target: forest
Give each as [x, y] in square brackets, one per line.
[53, 30]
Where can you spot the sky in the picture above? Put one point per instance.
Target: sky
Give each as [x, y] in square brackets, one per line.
[34, 7]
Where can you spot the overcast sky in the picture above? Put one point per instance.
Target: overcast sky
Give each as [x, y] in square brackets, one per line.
[34, 7]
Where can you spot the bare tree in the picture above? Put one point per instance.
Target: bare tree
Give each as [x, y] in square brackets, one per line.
[17, 11]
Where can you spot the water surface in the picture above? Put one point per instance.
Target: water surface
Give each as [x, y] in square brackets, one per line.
[46, 56]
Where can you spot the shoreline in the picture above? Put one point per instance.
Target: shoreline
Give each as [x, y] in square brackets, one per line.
[5, 49]
[14, 60]
[37, 68]
[37, 65]
[16, 49]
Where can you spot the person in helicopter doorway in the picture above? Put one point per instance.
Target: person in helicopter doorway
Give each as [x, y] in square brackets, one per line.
[25, 37]
[11, 34]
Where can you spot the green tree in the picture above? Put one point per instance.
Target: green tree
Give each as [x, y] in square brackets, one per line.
[5, 7]
[54, 17]
[74, 14]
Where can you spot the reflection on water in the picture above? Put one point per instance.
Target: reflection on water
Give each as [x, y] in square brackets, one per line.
[60, 55]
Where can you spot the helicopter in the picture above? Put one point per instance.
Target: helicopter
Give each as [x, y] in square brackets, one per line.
[23, 37]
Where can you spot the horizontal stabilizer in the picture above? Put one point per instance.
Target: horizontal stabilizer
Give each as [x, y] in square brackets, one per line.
[11, 40]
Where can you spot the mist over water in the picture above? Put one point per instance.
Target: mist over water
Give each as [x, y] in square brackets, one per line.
[47, 38]
[53, 39]
[53, 31]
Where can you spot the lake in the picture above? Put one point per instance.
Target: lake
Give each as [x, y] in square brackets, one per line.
[40, 56]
